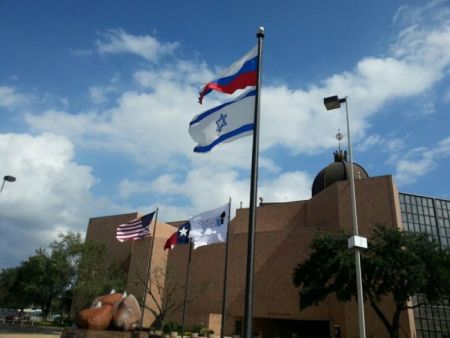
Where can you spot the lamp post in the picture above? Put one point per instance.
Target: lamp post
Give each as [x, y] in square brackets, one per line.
[357, 242]
[7, 178]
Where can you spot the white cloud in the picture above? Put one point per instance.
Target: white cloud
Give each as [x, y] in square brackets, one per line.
[419, 161]
[81, 52]
[432, 11]
[117, 41]
[389, 143]
[97, 94]
[160, 111]
[51, 192]
[216, 189]
[289, 186]
[9, 97]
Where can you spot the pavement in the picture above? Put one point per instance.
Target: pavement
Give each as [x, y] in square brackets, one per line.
[17, 331]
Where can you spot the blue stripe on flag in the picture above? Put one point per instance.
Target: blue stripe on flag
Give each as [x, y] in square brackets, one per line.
[224, 137]
[248, 66]
[213, 110]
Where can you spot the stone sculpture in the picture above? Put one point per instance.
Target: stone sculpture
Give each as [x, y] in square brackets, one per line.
[117, 311]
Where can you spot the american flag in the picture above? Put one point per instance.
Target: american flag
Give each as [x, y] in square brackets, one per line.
[136, 229]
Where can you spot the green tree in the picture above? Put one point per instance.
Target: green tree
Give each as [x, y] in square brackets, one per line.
[41, 279]
[397, 264]
[8, 298]
[96, 275]
[49, 278]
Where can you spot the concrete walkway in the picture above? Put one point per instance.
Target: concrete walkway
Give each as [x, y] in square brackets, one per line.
[15, 331]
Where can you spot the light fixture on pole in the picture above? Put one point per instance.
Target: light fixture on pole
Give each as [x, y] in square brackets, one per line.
[357, 242]
[7, 178]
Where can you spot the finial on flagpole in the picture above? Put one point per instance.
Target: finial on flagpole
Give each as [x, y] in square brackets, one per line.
[260, 32]
[339, 137]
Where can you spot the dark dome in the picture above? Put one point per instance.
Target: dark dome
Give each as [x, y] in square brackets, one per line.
[336, 171]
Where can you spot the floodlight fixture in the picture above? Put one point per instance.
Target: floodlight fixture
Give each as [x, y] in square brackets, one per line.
[333, 102]
[7, 178]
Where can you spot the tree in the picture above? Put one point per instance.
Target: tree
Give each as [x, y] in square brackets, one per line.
[397, 264]
[165, 289]
[9, 299]
[41, 279]
[96, 275]
[49, 278]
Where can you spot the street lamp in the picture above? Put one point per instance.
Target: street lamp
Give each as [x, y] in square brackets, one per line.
[7, 178]
[357, 242]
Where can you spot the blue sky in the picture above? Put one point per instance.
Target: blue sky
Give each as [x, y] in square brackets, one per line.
[96, 98]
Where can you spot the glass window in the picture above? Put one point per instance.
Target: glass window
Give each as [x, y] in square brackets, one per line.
[426, 215]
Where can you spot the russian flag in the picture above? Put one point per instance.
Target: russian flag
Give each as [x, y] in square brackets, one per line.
[239, 75]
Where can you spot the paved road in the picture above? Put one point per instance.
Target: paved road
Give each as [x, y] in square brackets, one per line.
[29, 331]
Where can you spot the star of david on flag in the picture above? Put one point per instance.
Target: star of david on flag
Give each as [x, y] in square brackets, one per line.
[224, 123]
[221, 122]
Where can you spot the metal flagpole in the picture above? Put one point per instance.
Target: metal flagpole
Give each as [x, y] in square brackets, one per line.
[222, 324]
[186, 287]
[248, 315]
[148, 270]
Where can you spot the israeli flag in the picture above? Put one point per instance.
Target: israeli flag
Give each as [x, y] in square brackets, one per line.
[224, 123]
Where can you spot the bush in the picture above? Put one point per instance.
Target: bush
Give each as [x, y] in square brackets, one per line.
[197, 328]
[171, 327]
[205, 331]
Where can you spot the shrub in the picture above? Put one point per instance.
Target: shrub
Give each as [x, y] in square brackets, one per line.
[171, 327]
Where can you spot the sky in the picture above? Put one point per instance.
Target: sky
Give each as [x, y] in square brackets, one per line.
[96, 99]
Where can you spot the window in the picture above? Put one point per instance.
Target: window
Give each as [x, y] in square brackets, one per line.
[430, 216]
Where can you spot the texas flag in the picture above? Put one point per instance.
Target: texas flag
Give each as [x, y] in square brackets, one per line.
[181, 236]
[239, 75]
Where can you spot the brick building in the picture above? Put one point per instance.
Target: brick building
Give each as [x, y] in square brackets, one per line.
[283, 234]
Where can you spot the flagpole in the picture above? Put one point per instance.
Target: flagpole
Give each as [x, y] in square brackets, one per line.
[186, 287]
[248, 316]
[222, 324]
[149, 264]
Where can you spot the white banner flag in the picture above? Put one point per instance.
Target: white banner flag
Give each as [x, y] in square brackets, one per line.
[210, 227]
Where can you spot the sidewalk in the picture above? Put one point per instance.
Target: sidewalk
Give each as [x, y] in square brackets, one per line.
[10, 331]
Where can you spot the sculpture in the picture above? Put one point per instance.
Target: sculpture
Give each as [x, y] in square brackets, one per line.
[116, 310]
